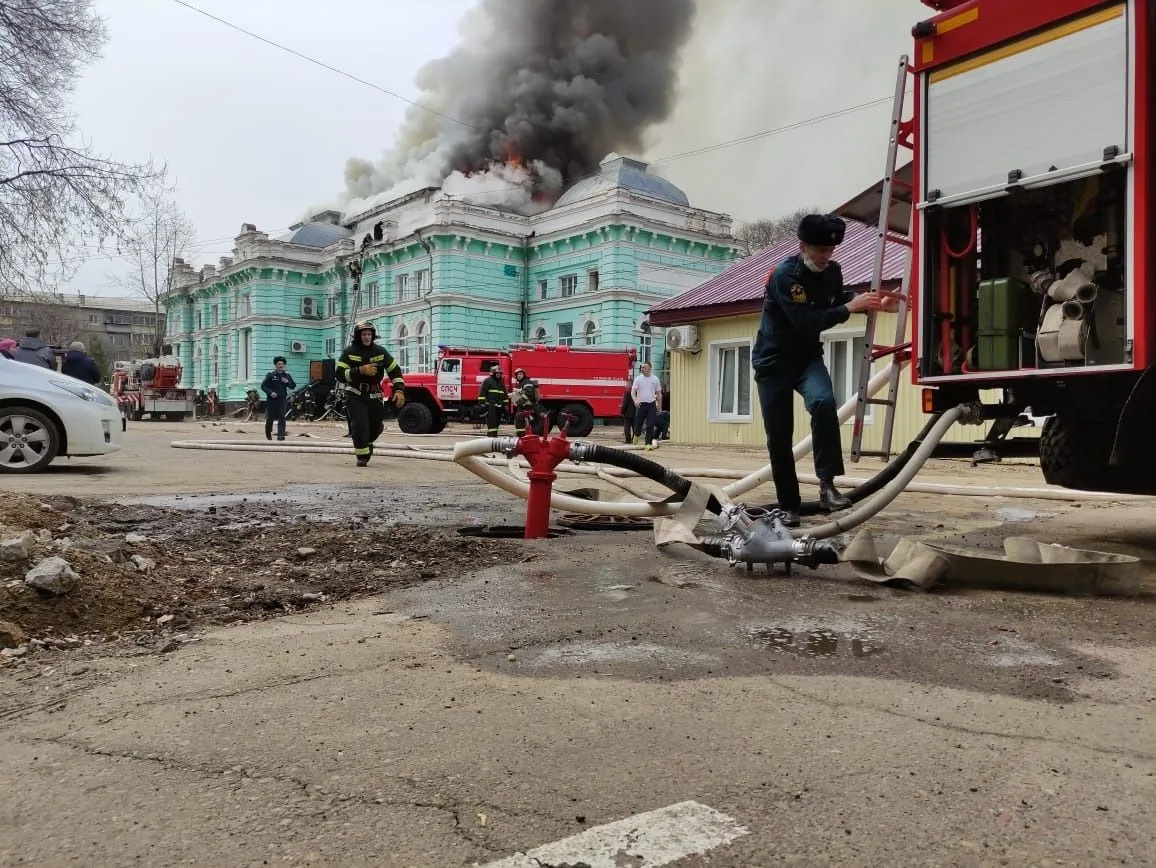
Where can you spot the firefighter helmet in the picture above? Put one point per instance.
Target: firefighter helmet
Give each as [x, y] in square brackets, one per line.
[521, 371]
[359, 327]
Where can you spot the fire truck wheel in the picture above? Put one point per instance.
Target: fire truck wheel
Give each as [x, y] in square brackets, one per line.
[29, 440]
[439, 424]
[1074, 454]
[415, 418]
[582, 422]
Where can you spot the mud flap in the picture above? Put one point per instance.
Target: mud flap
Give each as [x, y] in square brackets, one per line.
[1133, 441]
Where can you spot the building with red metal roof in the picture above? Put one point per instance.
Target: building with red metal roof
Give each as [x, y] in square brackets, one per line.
[739, 289]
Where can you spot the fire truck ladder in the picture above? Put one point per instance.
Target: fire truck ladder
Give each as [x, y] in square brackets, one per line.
[900, 348]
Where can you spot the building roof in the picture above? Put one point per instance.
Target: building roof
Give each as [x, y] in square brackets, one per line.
[94, 302]
[622, 172]
[739, 289]
[319, 235]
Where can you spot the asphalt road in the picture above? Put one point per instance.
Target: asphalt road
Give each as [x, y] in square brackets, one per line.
[573, 705]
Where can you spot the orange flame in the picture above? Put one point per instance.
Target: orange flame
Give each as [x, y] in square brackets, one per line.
[512, 156]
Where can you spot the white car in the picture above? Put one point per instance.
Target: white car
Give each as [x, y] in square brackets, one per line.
[44, 414]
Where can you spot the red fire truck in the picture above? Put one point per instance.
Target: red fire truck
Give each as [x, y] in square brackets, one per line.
[585, 382]
[1032, 233]
[150, 386]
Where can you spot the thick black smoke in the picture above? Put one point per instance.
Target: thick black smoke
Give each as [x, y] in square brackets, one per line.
[556, 83]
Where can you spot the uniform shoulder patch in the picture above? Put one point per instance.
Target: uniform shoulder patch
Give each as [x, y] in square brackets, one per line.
[798, 294]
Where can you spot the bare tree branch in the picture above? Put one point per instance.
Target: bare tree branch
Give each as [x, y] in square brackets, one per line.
[760, 234]
[55, 198]
[161, 233]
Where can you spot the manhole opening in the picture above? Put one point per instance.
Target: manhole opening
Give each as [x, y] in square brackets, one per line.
[506, 531]
[577, 521]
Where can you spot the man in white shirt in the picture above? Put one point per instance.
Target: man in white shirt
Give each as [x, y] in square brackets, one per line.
[647, 395]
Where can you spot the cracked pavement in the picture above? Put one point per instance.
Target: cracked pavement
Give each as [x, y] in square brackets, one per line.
[842, 724]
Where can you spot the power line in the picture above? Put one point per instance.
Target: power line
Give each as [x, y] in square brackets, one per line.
[320, 63]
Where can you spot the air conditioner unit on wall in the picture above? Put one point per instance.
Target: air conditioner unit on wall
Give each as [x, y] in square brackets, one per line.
[298, 346]
[309, 308]
[682, 339]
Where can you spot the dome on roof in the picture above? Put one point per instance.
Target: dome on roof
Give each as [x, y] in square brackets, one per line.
[318, 234]
[622, 172]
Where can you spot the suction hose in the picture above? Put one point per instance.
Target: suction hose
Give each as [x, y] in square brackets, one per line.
[876, 482]
[853, 518]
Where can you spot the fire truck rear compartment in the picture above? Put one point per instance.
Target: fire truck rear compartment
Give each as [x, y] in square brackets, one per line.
[1033, 280]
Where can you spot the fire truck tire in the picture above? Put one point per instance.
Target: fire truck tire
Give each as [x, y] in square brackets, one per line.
[1074, 454]
[439, 424]
[582, 423]
[26, 422]
[415, 418]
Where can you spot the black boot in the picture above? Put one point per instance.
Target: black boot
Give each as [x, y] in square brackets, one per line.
[789, 517]
[830, 499]
[362, 460]
[268, 435]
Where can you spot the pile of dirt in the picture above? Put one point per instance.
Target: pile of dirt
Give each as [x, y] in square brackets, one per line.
[148, 570]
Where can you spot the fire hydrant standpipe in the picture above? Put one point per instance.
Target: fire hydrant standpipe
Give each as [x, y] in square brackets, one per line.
[544, 455]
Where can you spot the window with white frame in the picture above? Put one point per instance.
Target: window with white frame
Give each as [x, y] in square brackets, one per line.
[215, 365]
[330, 347]
[565, 334]
[381, 293]
[215, 318]
[730, 381]
[245, 308]
[401, 284]
[334, 308]
[245, 356]
[843, 353]
[363, 297]
[423, 347]
[540, 335]
[645, 343]
[592, 280]
[543, 289]
[371, 294]
[403, 347]
[590, 333]
[423, 280]
[568, 285]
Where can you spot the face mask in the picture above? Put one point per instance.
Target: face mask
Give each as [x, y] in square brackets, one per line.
[811, 266]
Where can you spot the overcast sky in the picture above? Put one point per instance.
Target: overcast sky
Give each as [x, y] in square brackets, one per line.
[253, 134]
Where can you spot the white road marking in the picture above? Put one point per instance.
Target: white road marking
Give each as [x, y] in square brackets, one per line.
[644, 840]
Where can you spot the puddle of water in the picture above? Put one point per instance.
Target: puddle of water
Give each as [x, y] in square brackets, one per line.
[615, 593]
[604, 653]
[807, 638]
[816, 643]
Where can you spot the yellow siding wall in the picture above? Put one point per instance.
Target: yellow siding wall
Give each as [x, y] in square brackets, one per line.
[690, 394]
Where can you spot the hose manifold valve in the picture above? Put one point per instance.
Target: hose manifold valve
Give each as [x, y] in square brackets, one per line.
[758, 536]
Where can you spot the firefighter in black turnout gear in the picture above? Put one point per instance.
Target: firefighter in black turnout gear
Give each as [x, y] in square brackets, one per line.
[525, 400]
[362, 370]
[495, 398]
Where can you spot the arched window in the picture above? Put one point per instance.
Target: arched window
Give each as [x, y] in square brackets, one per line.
[590, 333]
[403, 347]
[645, 343]
[423, 347]
[540, 335]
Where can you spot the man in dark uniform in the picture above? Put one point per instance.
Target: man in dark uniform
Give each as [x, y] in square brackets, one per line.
[362, 369]
[495, 398]
[276, 386]
[804, 297]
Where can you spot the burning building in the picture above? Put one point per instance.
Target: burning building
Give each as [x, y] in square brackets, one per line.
[485, 259]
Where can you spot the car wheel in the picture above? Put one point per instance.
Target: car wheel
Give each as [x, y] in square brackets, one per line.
[29, 440]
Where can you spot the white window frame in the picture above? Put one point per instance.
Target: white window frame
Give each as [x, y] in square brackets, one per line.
[330, 347]
[714, 373]
[593, 280]
[568, 285]
[568, 340]
[851, 384]
[590, 333]
[401, 286]
[543, 290]
[422, 276]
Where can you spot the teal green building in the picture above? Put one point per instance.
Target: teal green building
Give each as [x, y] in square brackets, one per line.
[434, 269]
